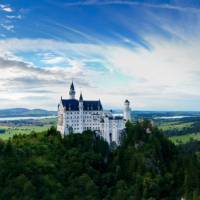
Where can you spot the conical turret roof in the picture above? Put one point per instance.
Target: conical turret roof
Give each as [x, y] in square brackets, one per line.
[81, 97]
[72, 86]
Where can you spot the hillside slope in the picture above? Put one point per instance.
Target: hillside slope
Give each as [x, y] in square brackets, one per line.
[82, 166]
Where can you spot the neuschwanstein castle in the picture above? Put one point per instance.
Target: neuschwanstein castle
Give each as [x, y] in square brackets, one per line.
[76, 116]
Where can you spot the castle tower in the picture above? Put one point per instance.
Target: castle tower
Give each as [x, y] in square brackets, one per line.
[72, 91]
[80, 113]
[127, 110]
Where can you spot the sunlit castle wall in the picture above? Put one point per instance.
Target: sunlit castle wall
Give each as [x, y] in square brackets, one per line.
[76, 116]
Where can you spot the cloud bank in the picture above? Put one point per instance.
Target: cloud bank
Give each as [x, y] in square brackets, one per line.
[169, 72]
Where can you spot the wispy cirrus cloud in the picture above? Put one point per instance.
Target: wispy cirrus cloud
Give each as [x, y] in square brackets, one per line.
[53, 60]
[171, 6]
[14, 16]
[8, 27]
[9, 17]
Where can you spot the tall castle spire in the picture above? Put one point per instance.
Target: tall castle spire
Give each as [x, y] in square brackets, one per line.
[72, 91]
[81, 97]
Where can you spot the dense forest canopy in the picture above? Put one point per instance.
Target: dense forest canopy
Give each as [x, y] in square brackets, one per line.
[83, 166]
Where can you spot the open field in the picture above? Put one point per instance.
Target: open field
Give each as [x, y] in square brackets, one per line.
[181, 130]
[15, 129]
[11, 131]
[185, 138]
[175, 125]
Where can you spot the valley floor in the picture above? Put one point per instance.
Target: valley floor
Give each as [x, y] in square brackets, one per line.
[178, 130]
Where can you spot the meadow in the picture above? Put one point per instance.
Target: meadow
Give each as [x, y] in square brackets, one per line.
[175, 125]
[181, 131]
[17, 129]
[182, 139]
[23, 130]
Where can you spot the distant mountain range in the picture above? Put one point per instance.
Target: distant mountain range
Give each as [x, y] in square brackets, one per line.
[24, 112]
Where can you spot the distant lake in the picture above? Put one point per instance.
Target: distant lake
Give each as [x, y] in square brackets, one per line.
[173, 117]
[25, 118]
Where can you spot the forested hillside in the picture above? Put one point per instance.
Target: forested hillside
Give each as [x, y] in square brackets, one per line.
[82, 166]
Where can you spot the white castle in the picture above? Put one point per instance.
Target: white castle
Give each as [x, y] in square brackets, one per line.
[76, 116]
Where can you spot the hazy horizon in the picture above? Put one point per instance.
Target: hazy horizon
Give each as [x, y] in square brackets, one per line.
[105, 108]
[145, 51]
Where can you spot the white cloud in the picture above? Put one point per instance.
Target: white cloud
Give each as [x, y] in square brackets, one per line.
[161, 65]
[22, 83]
[6, 8]
[54, 60]
[8, 27]
[14, 16]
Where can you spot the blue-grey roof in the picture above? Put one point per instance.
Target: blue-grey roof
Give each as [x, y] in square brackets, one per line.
[92, 105]
[73, 104]
[70, 104]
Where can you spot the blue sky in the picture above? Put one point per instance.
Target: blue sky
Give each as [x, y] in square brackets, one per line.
[145, 51]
